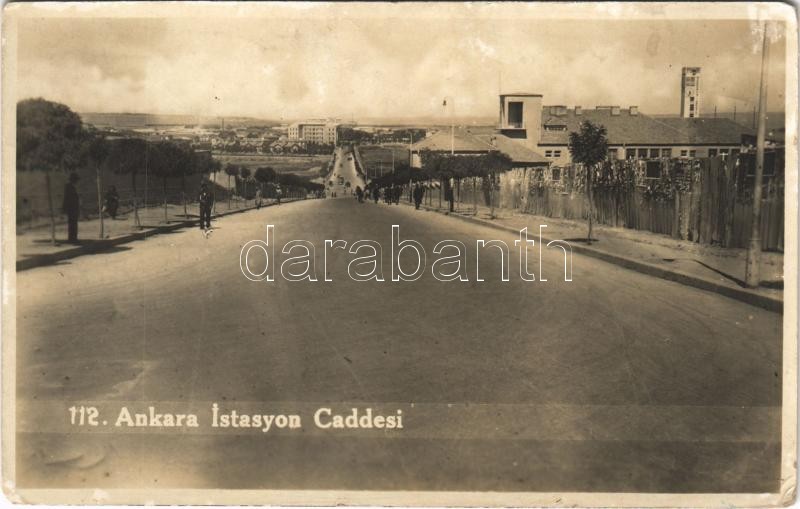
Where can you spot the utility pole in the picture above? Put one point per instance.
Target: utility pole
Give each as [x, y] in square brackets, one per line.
[754, 249]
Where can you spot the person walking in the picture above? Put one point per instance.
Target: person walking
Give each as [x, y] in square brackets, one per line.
[206, 201]
[359, 194]
[258, 198]
[72, 207]
[376, 194]
[278, 194]
[449, 195]
[419, 192]
[112, 202]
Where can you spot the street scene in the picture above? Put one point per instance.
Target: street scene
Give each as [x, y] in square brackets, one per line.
[481, 279]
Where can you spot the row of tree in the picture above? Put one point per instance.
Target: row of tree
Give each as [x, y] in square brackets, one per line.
[266, 178]
[52, 138]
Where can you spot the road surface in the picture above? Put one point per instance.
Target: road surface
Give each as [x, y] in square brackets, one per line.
[345, 167]
[614, 381]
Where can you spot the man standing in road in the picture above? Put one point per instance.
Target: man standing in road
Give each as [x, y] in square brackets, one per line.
[72, 207]
[206, 201]
[278, 194]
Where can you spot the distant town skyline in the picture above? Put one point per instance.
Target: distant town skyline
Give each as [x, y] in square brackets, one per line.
[356, 67]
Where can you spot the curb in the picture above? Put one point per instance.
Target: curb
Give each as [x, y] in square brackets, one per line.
[741, 294]
[105, 244]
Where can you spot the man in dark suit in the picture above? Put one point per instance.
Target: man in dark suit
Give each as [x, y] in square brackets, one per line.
[206, 200]
[72, 207]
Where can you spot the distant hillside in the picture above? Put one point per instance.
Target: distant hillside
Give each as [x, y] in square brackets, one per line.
[133, 120]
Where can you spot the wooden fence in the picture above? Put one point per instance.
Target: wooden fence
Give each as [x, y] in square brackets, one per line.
[708, 201]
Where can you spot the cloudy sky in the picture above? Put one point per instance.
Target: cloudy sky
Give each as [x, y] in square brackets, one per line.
[391, 66]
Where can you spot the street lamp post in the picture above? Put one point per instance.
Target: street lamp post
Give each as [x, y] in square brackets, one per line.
[752, 278]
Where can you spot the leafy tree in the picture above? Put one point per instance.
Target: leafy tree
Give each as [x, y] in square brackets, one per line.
[589, 147]
[244, 172]
[129, 156]
[232, 171]
[264, 175]
[49, 139]
[95, 152]
[441, 166]
[169, 161]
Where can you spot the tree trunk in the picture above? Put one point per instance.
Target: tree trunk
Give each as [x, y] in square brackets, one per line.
[591, 203]
[100, 201]
[474, 195]
[491, 195]
[183, 195]
[135, 202]
[166, 218]
[441, 185]
[214, 195]
[50, 207]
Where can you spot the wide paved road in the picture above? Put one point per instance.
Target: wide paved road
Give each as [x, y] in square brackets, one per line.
[345, 167]
[613, 382]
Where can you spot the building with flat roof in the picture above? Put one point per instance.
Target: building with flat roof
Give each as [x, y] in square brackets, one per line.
[631, 134]
[321, 132]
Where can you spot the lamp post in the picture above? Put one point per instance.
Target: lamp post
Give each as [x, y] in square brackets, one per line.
[752, 278]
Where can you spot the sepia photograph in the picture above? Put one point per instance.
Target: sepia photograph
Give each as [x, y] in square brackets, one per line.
[399, 254]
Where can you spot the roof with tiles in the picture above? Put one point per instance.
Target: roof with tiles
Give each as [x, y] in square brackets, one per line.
[518, 152]
[639, 129]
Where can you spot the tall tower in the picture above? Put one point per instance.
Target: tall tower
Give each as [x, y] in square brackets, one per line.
[521, 118]
[690, 92]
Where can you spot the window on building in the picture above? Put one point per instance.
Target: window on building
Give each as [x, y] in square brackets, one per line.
[684, 153]
[666, 152]
[555, 174]
[641, 153]
[630, 153]
[712, 152]
[654, 153]
[612, 153]
[691, 115]
[556, 153]
[548, 153]
[692, 153]
[515, 114]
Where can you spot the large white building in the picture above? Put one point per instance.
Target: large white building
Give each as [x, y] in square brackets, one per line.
[314, 131]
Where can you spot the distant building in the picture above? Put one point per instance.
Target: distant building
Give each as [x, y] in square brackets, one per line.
[464, 143]
[690, 92]
[534, 134]
[316, 132]
[631, 134]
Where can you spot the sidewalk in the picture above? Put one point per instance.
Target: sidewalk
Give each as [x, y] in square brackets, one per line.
[35, 248]
[717, 269]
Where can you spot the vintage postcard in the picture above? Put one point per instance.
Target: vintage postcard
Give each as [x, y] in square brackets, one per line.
[403, 254]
